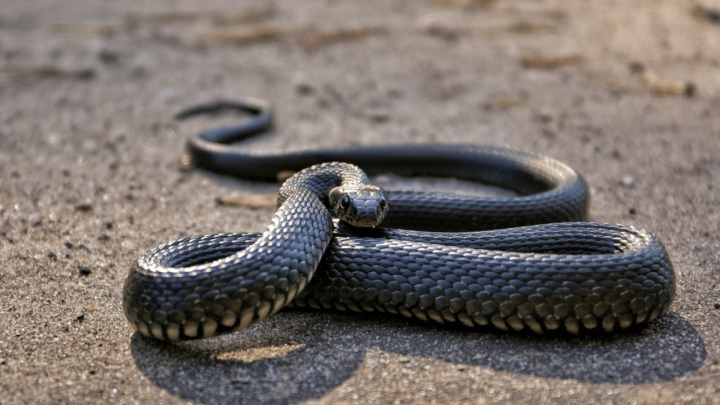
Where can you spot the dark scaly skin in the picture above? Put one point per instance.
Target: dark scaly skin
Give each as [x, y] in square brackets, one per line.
[572, 277]
[174, 293]
[550, 190]
[203, 287]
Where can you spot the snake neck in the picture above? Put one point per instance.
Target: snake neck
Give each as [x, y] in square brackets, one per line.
[322, 178]
[344, 189]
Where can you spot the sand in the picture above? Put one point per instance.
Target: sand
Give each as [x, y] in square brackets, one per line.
[626, 92]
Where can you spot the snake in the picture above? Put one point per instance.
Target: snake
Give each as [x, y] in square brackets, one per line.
[528, 264]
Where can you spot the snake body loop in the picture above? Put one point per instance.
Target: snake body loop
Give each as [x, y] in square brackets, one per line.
[547, 272]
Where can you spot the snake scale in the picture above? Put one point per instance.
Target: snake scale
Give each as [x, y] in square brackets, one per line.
[527, 263]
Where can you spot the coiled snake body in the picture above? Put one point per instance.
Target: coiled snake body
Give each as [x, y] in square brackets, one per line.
[563, 275]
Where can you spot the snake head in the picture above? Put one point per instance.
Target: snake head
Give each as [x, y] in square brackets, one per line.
[362, 205]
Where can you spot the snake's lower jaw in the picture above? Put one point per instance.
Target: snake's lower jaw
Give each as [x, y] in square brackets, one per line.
[369, 221]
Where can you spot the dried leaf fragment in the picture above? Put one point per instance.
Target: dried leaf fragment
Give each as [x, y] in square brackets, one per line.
[245, 35]
[503, 103]
[313, 40]
[661, 86]
[284, 175]
[549, 62]
[255, 200]
[28, 74]
[445, 32]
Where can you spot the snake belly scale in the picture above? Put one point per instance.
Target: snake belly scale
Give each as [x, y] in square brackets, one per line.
[546, 272]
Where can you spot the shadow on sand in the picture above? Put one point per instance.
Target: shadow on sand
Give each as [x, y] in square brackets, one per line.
[300, 355]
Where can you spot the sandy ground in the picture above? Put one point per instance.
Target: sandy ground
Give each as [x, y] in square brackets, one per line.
[626, 92]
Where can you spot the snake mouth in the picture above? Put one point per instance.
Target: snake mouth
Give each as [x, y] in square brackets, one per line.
[368, 221]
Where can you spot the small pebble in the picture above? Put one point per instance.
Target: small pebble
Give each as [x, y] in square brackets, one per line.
[84, 207]
[716, 305]
[632, 211]
[627, 181]
[304, 89]
[84, 271]
[690, 89]
[68, 245]
[544, 118]
[80, 317]
[379, 116]
[108, 57]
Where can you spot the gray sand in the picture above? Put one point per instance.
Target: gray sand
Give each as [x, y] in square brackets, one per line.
[627, 93]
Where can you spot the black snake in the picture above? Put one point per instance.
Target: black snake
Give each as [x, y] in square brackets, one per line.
[546, 271]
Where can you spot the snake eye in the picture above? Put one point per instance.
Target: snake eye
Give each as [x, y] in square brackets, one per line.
[382, 204]
[345, 203]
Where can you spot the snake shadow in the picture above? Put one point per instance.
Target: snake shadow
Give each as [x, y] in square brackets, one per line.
[299, 355]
